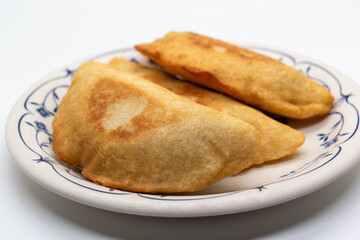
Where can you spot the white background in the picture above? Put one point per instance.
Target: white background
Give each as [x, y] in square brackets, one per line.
[37, 37]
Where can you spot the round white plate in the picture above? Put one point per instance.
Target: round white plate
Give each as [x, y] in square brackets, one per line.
[331, 148]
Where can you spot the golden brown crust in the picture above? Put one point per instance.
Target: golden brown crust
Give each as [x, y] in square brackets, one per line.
[131, 134]
[278, 140]
[248, 76]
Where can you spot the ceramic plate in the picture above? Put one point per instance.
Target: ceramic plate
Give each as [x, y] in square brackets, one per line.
[331, 148]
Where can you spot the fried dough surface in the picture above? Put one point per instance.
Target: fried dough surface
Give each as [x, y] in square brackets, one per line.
[278, 140]
[243, 74]
[129, 133]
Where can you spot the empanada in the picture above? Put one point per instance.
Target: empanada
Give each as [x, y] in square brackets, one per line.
[278, 140]
[129, 133]
[243, 74]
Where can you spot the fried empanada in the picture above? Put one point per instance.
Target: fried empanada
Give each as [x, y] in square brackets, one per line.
[253, 78]
[278, 140]
[131, 134]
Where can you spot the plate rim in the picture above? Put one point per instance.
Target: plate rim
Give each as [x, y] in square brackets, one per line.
[174, 208]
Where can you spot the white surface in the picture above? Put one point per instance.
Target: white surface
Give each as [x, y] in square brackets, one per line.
[37, 37]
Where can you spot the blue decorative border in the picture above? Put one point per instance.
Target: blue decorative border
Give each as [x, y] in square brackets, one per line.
[331, 141]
